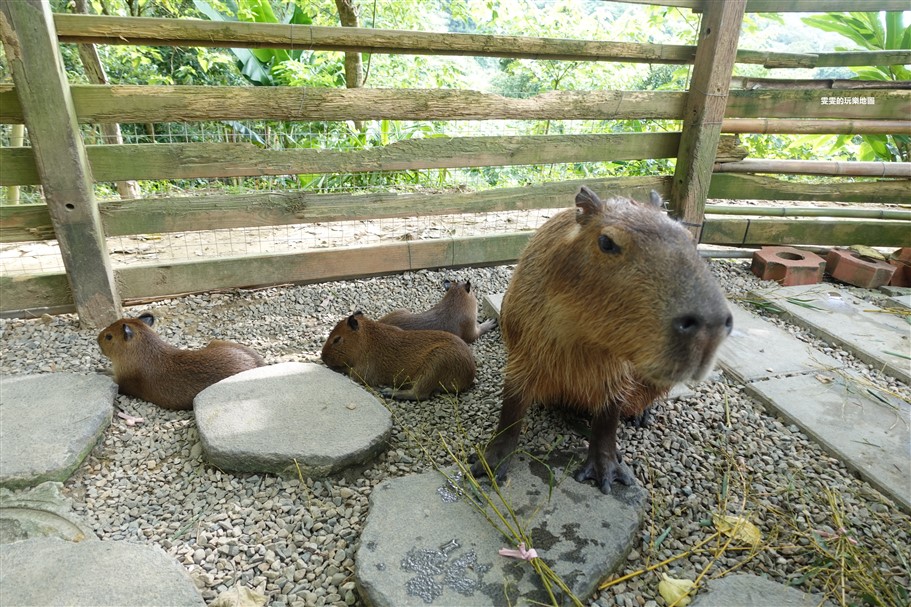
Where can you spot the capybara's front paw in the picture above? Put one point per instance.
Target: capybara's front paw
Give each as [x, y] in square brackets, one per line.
[605, 472]
[496, 463]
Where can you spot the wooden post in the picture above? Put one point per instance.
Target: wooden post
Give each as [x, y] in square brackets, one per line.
[704, 110]
[94, 71]
[30, 42]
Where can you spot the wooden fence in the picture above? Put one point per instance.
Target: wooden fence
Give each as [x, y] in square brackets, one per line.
[709, 165]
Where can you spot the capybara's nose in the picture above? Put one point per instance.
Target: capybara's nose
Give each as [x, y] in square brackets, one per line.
[688, 326]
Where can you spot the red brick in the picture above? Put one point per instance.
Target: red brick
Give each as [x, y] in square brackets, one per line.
[788, 266]
[901, 259]
[848, 266]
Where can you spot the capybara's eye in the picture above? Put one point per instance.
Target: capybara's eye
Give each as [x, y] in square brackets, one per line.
[337, 339]
[607, 245]
[108, 336]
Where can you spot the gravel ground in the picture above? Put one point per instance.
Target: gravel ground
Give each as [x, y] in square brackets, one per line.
[294, 540]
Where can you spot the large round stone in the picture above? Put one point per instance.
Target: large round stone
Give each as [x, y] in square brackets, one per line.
[424, 543]
[51, 571]
[49, 423]
[283, 417]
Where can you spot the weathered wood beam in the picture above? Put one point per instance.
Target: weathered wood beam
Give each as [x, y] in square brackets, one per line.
[786, 6]
[705, 106]
[799, 126]
[756, 187]
[143, 104]
[752, 84]
[179, 214]
[99, 29]
[741, 231]
[59, 155]
[900, 170]
[192, 160]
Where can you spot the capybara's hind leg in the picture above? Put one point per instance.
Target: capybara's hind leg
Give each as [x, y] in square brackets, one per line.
[504, 440]
[603, 464]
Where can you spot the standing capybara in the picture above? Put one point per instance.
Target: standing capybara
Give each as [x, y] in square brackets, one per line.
[609, 306]
[148, 367]
[415, 364]
[457, 313]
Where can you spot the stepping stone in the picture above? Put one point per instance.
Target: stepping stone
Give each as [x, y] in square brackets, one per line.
[51, 571]
[875, 337]
[49, 423]
[283, 417]
[424, 544]
[870, 434]
[900, 301]
[40, 512]
[746, 590]
[757, 349]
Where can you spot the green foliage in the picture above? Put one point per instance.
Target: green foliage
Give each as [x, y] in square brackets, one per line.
[872, 32]
[260, 66]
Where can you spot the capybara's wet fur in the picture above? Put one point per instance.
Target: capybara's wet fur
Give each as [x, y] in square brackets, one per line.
[414, 364]
[609, 306]
[457, 313]
[148, 367]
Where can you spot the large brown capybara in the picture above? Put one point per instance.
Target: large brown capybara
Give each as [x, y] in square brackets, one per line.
[457, 313]
[609, 306]
[414, 364]
[148, 367]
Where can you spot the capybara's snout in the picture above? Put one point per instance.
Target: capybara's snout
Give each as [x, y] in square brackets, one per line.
[696, 336]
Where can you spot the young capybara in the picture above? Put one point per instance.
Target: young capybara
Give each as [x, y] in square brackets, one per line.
[609, 306]
[148, 367]
[415, 364]
[457, 313]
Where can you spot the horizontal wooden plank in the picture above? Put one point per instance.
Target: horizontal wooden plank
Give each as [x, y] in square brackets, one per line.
[751, 84]
[788, 6]
[105, 104]
[161, 215]
[811, 231]
[21, 293]
[192, 160]
[99, 29]
[120, 104]
[756, 187]
[858, 105]
[318, 266]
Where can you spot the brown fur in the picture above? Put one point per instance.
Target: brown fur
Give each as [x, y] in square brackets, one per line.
[609, 306]
[421, 362]
[148, 367]
[456, 313]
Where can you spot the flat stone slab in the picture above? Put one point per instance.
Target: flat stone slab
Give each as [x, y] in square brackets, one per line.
[872, 335]
[51, 571]
[40, 512]
[757, 349]
[900, 301]
[870, 436]
[746, 590]
[424, 544]
[49, 423]
[890, 290]
[281, 417]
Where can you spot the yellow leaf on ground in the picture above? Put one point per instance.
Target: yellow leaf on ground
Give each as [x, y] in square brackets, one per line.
[738, 528]
[675, 591]
[865, 251]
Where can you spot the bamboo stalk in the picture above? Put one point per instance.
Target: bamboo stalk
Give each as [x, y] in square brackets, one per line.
[720, 209]
[834, 127]
[818, 167]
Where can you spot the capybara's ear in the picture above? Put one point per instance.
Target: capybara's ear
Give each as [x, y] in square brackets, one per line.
[446, 284]
[655, 199]
[127, 332]
[468, 286]
[352, 320]
[589, 203]
[148, 318]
